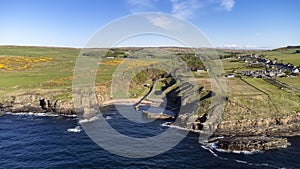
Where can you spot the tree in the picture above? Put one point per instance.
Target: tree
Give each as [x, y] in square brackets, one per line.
[297, 51]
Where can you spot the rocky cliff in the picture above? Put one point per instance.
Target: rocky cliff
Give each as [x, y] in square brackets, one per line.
[251, 134]
[272, 126]
[30, 101]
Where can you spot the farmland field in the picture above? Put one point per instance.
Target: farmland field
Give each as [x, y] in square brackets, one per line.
[28, 69]
[294, 82]
[284, 55]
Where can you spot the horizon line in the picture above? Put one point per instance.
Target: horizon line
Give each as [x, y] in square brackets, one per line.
[163, 46]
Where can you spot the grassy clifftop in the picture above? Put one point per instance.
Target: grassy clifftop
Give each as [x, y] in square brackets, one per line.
[47, 72]
[31, 68]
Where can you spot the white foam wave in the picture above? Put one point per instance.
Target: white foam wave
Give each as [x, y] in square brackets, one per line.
[40, 114]
[256, 164]
[239, 152]
[108, 117]
[35, 114]
[212, 146]
[77, 129]
[166, 124]
[169, 124]
[241, 161]
[69, 115]
[88, 120]
[208, 147]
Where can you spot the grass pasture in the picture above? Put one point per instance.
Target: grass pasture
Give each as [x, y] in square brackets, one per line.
[35, 67]
[260, 100]
[235, 86]
[264, 86]
[285, 55]
[230, 64]
[294, 82]
[27, 69]
[282, 101]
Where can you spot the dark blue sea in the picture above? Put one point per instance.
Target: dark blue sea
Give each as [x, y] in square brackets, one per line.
[47, 141]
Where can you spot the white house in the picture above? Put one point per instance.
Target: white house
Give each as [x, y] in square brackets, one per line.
[295, 70]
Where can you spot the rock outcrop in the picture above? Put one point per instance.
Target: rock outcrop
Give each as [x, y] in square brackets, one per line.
[190, 122]
[35, 103]
[273, 126]
[160, 116]
[255, 143]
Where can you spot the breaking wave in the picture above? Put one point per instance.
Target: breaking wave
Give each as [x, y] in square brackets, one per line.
[257, 165]
[34, 114]
[40, 114]
[108, 117]
[94, 118]
[240, 152]
[77, 129]
[212, 146]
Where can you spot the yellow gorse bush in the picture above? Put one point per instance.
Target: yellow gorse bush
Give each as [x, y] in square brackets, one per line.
[128, 63]
[138, 63]
[10, 63]
[112, 62]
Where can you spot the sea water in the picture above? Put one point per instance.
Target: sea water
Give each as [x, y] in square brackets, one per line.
[51, 141]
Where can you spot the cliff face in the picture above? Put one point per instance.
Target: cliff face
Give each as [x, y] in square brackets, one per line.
[250, 134]
[31, 102]
[195, 102]
[273, 126]
[288, 125]
[253, 143]
[276, 125]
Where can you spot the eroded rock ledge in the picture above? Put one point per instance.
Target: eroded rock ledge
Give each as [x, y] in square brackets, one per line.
[255, 143]
[249, 134]
[273, 126]
[31, 103]
[239, 135]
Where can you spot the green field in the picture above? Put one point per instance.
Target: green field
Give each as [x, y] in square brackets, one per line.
[53, 72]
[294, 82]
[50, 70]
[230, 65]
[263, 103]
[31, 69]
[284, 55]
[264, 86]
[235, 86]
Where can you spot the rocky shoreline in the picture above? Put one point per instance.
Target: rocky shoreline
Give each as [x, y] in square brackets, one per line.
[248, 134]
[250, 144]
[239, 135]
[258, 134]
[274, 126]
[32, 103]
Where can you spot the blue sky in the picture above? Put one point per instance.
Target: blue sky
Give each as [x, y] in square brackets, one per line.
[226, 23]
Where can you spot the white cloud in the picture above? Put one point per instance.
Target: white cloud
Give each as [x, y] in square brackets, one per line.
[227, 4]
[141, 5]
[234, 46]
[185, 8]
[164, 22]
[230, 46]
